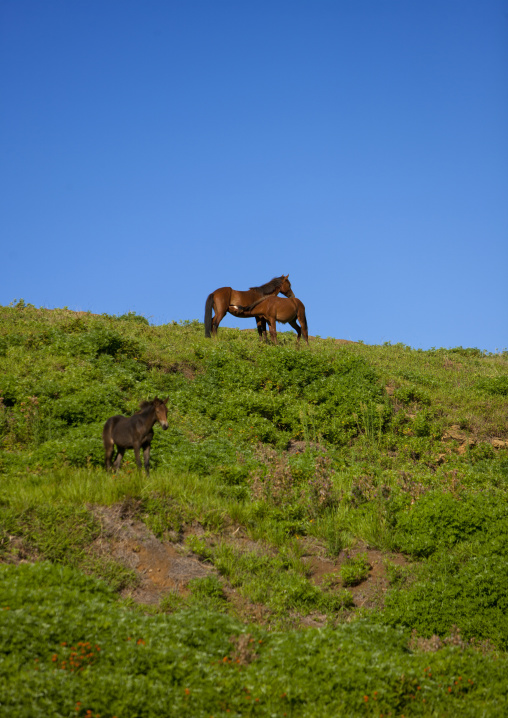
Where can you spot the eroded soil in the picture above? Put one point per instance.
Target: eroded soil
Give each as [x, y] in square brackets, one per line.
[168, 566]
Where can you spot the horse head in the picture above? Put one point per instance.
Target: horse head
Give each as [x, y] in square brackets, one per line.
[285, 287]
[161, 411]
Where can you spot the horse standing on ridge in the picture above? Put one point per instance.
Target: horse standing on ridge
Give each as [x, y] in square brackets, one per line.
[134, 432]
[226, 299]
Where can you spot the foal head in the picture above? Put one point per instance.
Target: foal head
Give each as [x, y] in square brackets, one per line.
[161, 411]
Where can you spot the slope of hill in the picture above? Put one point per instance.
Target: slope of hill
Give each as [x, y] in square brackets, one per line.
[324, 527]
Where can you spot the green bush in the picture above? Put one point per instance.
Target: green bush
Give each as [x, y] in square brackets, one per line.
[200, 663]
[412, 394]
[355, 570]
[441, 520]
[79, 446]
[464, 581]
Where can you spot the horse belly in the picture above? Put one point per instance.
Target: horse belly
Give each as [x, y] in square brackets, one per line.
[236, 310]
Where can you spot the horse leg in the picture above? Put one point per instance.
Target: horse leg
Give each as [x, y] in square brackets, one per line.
[295, 326]
[109, 447]
[146, 457]
[136, 456]
[119, 458]
[109, 444]
[221, 302]
[261, 325]
[146, 450]
[219, 316]
[273, 331]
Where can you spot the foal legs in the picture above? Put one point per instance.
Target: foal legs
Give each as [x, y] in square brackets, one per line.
[273, 331]
[146, 457]
[136, 455]
[109, 444]
[119, 459]
[109, 448]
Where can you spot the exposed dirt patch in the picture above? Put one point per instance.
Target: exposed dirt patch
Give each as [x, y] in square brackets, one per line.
[17, 551]
[370, 593]
[299, 447]
[367, 594]
[188, 370]
[163, 566]
[160, 566]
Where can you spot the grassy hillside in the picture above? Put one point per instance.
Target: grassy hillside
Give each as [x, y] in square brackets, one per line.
[323, 532]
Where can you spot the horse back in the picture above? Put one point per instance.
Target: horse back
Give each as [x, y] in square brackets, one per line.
[282, 309]
[243, 298]
[122, 430]
[221, 296]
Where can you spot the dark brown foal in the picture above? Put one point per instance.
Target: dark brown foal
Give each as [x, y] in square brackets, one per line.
[134, 432]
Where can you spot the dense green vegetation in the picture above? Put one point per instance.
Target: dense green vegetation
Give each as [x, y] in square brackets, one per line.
[275, 459]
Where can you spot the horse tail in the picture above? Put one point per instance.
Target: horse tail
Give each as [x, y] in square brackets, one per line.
[107, 431]
[208, 315]
[303, 322]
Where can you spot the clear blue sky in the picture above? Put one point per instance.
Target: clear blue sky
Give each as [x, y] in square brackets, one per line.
[152, 151]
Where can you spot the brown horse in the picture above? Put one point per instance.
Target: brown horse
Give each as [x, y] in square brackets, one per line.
[230, 300]
[276, 309]
[134, 432]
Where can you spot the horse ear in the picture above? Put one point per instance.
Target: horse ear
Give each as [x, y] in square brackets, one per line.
[165, 401]
[287, 275]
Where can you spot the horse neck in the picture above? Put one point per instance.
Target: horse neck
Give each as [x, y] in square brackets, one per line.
[148, 415]
[273, 293]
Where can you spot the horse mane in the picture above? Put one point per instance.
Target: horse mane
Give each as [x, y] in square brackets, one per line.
[270, 286]
[147, 404]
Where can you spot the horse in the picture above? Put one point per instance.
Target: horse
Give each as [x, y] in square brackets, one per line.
[134, 432]
[230, 300]
[276, 309]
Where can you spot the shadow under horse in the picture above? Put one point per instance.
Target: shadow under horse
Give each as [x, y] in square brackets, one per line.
[134, 432]
[226, 299]
[276, 309]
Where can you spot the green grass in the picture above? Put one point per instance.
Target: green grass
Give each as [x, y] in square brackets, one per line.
[327, 449]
